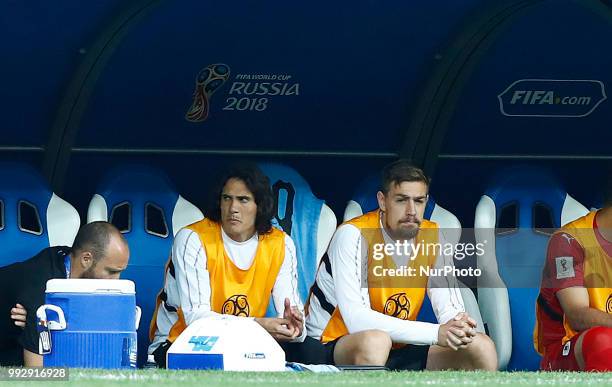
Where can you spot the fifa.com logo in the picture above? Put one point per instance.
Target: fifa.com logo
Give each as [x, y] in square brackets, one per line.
[540, 97]
[551, 98]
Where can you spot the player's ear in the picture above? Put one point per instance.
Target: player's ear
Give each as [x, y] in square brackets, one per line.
[380, 196]
[86, 259]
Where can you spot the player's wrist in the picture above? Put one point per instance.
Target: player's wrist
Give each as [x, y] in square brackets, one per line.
[440, 335]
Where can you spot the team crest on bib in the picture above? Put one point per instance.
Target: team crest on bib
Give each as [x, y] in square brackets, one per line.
[237, 305]
[398, 305]
[609, 304]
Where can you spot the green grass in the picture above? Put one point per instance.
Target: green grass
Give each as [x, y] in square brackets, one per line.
[154, 378]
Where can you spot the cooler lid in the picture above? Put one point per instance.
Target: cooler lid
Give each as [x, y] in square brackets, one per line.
[90, 286]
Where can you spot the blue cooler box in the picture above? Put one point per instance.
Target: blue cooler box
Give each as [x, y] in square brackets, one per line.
[92, 323]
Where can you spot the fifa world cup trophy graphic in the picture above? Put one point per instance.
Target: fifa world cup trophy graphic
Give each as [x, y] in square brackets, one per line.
[209, 79]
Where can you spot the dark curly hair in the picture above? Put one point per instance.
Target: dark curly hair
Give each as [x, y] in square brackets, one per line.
[257, 183]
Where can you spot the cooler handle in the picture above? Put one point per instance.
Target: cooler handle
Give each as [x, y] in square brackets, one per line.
[41, 313]
[138, 314]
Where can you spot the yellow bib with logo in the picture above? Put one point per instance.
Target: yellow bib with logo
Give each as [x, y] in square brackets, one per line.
[233, 290]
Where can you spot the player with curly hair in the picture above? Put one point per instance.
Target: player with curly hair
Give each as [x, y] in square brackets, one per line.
[230, 263]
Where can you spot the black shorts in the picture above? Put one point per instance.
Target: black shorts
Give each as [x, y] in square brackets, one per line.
[311, 351]
[407, 358]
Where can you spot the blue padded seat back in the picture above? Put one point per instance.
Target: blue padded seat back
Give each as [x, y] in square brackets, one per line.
[529, 204]
[32, 217]
[142, 201]
[304, 217]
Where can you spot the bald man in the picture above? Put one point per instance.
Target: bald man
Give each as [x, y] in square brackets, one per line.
[99, 252]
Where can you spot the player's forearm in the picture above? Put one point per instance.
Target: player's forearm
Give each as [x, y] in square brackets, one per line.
[286, 284]
[446, 303]
[581, 319]
[359, 319]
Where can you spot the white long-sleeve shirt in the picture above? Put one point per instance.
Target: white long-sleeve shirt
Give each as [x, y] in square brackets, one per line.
[339, 283]
[188, 285]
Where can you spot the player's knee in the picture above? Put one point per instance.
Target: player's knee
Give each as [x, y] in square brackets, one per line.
[482, 351]
[482, 345]
[597, 349]
[377, 339]
[373, 349]
[599, 338]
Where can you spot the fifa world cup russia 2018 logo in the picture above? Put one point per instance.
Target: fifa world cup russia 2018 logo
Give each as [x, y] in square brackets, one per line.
[398, 305]
[609, 304]
[236, 305]
[209, 80]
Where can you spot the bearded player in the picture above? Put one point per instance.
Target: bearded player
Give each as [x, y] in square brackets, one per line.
[365, 318]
